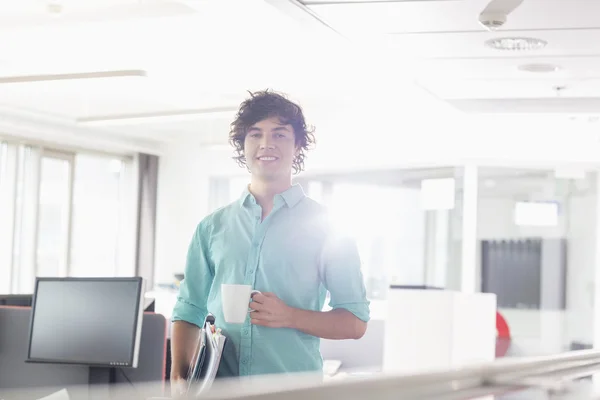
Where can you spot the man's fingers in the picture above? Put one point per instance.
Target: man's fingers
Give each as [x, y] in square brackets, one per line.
[261, 322]
[259, 298]
[256, 305]
[262, 297]
[269, 324]
[262, 316]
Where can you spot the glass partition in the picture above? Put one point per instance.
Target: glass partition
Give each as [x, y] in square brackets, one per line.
[534, 232]
[407, 224]
[536, 240]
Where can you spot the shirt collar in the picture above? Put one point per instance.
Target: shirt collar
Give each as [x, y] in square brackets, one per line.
[291, 196]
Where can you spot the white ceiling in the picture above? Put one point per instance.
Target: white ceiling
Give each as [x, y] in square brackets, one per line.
[197, 55]
[445, 44]
[205, 55]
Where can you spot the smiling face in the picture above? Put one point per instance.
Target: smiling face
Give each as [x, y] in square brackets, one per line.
[270, 149]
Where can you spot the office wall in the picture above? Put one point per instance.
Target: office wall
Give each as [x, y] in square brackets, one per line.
[181, 203]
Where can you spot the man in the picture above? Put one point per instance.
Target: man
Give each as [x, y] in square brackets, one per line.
[277, 240]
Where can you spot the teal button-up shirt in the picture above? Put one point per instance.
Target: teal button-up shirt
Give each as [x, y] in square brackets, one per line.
[295, 254]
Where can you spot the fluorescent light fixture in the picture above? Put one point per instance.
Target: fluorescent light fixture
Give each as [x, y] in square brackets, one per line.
[541, 214]
[158, 117]
[73, 76]
[437, 194]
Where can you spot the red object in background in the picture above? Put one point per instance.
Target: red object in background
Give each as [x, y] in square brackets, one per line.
[503, 338]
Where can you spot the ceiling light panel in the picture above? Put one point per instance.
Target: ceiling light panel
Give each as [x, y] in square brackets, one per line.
[516, 43]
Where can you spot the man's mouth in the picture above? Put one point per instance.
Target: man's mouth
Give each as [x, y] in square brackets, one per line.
[267, 158]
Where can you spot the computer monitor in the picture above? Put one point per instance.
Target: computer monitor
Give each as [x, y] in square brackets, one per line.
[91, 321]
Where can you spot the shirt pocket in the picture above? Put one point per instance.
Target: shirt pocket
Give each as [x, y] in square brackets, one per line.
[229, 255]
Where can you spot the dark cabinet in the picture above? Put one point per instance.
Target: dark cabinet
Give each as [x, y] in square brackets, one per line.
[528, 273]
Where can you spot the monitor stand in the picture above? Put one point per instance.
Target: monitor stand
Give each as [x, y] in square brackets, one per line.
[102, 381]
[103, 375]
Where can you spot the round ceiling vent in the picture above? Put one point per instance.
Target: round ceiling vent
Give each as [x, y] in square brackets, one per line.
[516, 43]
[539, 67]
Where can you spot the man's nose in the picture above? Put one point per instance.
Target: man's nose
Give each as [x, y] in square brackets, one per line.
[266, 143]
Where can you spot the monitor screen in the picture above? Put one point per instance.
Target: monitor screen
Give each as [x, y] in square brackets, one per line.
[91, 321]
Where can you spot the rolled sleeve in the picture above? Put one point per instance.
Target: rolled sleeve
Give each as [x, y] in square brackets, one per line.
[343, 277]
[191, 304]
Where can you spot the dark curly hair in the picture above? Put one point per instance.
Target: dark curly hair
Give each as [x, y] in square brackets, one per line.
[268, 104]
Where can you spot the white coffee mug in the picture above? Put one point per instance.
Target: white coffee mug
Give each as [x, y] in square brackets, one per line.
[235, 300]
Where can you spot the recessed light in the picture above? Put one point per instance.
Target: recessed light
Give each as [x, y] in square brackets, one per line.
[516, 43]
[539, 67]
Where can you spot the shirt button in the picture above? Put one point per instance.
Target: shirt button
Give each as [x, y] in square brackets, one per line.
[245, 331]
[244, 361]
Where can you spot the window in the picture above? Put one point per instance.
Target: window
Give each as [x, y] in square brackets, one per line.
[25, 223]
[64, 214]
[99, 190]
[6, 216]
[3, 151]
[54, 214]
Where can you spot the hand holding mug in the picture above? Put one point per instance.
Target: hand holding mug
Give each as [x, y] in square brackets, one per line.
[271, 311]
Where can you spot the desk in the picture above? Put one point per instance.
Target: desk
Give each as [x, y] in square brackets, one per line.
[436, 329]
[16, 373]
